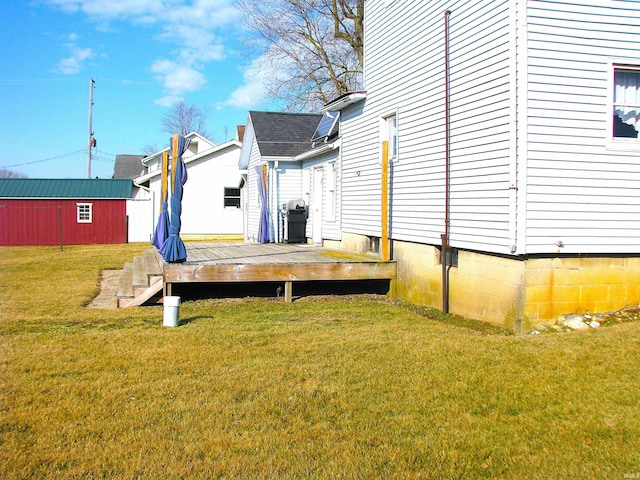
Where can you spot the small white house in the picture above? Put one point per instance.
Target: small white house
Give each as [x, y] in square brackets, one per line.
[512, 129]
[211, 203]
[272, 143]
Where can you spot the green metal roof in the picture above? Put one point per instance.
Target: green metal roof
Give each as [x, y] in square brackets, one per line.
[65, 188]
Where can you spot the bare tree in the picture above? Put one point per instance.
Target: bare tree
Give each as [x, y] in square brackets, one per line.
[184, 119]
[348, 23]
[151, 148]
[311, 50]
[6, 173]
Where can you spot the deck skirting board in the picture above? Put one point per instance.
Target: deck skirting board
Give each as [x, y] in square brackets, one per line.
[278, 272]
[231, 263]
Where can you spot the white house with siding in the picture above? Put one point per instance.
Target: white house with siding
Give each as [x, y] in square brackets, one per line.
[321, 180]
[512, 128]
[275, 153]
[211, 203]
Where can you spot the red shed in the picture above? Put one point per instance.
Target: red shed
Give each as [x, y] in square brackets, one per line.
[63, 211]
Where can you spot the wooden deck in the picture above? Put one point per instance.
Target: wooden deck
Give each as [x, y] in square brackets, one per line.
[287, 263]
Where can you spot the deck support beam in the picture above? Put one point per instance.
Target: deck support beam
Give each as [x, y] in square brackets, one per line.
[288, 292]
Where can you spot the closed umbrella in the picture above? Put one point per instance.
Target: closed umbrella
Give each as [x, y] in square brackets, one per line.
[161, 233]
[174, 249]
[265, 229]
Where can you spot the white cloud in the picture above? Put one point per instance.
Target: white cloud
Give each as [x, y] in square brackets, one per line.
[193, 26]
[254, 91]
[249, 95]
[177, 78]
[169, 100]
[105, 10]
[75, 62]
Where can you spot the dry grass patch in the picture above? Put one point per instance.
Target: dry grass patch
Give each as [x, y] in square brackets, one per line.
[322, 388]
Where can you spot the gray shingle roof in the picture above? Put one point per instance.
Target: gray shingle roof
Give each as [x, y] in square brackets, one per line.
[283, 134]
[128, 166]
[65, 188]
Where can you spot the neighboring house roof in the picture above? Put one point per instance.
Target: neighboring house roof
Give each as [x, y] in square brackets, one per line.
[217, 149]
[283, 134]
[128, 166]
[193, 136]
[65, 188]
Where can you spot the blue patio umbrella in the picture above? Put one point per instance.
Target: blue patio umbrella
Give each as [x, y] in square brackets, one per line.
[265, 227]
[161, 232]
[174, 249]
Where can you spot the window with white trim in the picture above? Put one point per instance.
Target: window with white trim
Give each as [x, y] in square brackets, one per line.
[389, 133]
[85, 212]
[232, 197]
[626, 102]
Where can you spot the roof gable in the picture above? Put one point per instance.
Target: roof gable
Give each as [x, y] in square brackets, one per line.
[128, 166]
[65, 188]
[208, 155]
[283, 134]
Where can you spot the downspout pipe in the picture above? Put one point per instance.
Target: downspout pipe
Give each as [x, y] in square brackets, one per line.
[447, 176]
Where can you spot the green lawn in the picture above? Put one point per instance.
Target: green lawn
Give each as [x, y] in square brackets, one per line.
[335, 387]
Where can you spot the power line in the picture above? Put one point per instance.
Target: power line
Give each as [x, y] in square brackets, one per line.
[106, 153]
[44, 159]
[122, 81]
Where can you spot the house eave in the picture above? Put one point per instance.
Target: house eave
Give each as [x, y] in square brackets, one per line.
[344, 101]
[318, 151]
[145, 178]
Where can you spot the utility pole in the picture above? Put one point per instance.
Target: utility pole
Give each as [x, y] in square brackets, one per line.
[90, 142]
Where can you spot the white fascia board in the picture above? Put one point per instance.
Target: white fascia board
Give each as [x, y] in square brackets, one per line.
[247, 144]
[153, 156]
[192, 136]
[278, 159]
[318, 151]
[344, 101]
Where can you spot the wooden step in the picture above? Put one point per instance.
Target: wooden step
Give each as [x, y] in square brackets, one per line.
[149, 295]
[140, 278]
[151, 263]
[125, 284]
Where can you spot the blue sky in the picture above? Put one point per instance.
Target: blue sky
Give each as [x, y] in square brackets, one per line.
[144, 55]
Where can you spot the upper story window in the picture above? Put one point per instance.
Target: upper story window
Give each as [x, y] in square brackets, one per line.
[626, 102]
[85, 212]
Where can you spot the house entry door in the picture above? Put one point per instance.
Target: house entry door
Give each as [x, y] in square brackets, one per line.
[316, 219]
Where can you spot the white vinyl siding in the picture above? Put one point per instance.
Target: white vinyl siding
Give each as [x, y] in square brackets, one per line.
[404, 66]
[331, 225]
[580, 191]
[253, 197]
[286, 181]
[360, 180]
